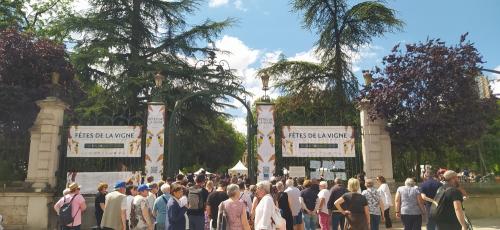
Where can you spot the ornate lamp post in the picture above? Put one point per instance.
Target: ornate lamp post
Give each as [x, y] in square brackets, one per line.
[368, 77]
[158, 83]
[265, 86]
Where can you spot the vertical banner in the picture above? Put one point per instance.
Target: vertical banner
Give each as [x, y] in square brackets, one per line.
[155, 139]
[265, 141]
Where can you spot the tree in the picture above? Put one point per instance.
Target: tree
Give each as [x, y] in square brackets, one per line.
[26, 66]
[429, 96]
[41, 18]
[341, 30]
[125, 43]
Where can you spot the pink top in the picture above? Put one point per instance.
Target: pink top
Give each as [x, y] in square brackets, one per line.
[76, 207]
[234, 209]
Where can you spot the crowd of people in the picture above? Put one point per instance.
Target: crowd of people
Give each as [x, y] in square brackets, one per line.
[282, 203]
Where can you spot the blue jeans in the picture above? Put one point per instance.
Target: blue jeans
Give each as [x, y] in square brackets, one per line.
[374, 221]
[431, 224]
[310, 221]
[338, 220]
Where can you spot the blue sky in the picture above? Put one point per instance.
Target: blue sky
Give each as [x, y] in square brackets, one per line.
[267, 28]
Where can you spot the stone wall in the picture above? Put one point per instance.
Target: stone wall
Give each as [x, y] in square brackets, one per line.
[22, 210]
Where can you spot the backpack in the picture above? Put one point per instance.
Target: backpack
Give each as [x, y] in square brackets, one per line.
[437, 207]
[195, 199]
[65, 216]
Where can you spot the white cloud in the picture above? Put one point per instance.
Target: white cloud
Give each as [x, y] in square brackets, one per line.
[238, 4]
[217, 3]
[81, 5]
[309, 56]
[240, 124]
[240, 56]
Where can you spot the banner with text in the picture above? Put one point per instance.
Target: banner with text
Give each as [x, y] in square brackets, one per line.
[104, 141]
[89, 180]
[318, 141]
[155, 140]
[265, 141]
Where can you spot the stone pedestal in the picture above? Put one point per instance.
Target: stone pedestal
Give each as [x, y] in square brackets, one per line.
[375, 144]
[45, 140]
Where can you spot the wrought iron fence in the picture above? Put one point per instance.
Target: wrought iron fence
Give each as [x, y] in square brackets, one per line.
[14, 154]
[100, 164]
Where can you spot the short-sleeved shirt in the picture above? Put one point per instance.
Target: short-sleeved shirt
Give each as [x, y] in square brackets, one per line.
[450, 195]
[373, 197]
[324, 193]
[160, 208]
[214, 200]
[294, 197]
[204, 197]
[99, 198]
[336, 192]
[409, 200]
[76, 203]
[430, 187]
[309, 196]
[355, 202]
[140, 203]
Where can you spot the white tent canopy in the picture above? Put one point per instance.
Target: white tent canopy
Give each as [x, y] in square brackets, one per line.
[238, 168]
[201, 170]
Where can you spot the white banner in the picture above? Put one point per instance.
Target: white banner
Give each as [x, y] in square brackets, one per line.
[90, 180]
[155, 140]
[265, 141]
[297, 171]
[318, 141]
[104, 141]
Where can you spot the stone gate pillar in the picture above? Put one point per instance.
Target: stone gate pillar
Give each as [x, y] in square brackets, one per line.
[45, 140]
[375, 145]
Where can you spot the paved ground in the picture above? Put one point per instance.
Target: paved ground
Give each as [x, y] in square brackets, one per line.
[479, 224]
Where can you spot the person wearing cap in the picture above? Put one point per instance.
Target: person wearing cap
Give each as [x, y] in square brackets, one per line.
[141, 218]
[113, 217]
[77, 206]
[450, 199]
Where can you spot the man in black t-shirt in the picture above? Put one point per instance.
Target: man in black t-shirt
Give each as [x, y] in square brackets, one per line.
[213, 202]
[197, 198]
[451, 216]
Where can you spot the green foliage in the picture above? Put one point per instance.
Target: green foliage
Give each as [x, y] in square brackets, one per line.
[429, 96]
[215, 146]
[41, 18]
[331, 84]
[429, 87]
[26, 64]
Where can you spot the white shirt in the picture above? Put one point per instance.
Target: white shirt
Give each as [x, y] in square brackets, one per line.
[324, 194]
[128, 205]
[183, 201]
[246, 198]
[386, 195]
[294, 197]
[151, 200]
[264, 212]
